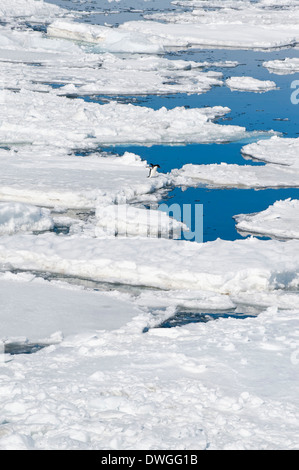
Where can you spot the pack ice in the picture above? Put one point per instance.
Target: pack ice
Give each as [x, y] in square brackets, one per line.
[107, 374]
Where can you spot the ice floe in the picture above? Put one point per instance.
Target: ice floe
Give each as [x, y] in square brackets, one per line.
[46, 312]
[16, 217]
[42, 118]
[283, 66]
[281, 220]
[108, 375]
[250, 84]
[167, 264]
[281, 169]
[235, 24]
[107, 39]
[125, 220]
[52, 178]
[279, 150]
[31, 10]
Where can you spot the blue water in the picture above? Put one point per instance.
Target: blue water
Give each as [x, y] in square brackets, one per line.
[272, 110]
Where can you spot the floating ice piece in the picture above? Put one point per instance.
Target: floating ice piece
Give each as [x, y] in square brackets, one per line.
[284, 66]
[278, 150]
[63, 67]
[125, 220]
[237, 176]
[250, 84]
[107, 39]
[281, 170]
[17, 217]
[281, 220]
[46, 119]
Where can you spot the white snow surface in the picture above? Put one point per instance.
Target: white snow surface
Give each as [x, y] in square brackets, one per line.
[209, 386]
[43, 118]
[166, 264]
[48, 176]
[250, 84]
[107, 39]
[279, 150]
[42, 311]
[234, 24]
[127, 220]
[15, 217]
[281, 220]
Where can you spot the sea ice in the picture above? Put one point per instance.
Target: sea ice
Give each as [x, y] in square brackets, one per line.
[281, 220]
[235, 24]
[107, 39]
[48, 176]
[161, 263]
[127, 220]
[213, 385]
[44, 119]
[283, 66]
[250, 84]
[102, 383]
[42, 309]
[281, 170]
[31, 10]
[16, 217]
[279, 150]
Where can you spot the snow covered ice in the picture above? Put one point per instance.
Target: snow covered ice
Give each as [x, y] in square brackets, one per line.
[281, 168]
[250, 84]
[279, 221]
[88, 272]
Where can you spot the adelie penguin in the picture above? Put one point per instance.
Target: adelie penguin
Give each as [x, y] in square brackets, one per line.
[153, 170]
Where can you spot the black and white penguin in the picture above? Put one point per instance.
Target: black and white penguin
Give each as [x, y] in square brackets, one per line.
[153, 170]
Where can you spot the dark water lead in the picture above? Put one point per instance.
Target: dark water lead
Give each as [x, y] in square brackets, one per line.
[23, 347]
[182, 318]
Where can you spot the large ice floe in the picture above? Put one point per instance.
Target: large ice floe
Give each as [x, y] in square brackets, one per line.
[235, 24]
[281, 168]
[166, 264]
[41, 118]
[91, 281]
[48, 176]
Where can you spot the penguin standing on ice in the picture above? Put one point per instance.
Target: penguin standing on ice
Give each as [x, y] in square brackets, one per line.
[153, 170]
